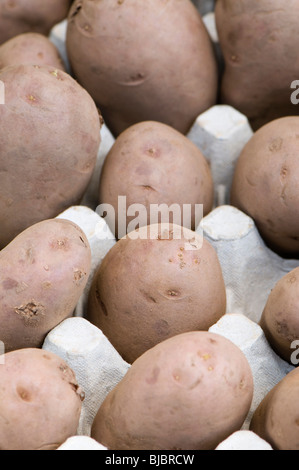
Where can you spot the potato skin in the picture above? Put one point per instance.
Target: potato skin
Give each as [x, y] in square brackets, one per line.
[189, 392]
[30, 48]
[48, 148]
[22, 16]
[154, 287]
[265, 184]
[40, 401]
[145, 61]
[279, 320]
[43, 272]
[276, 418]
[259, 40]
[152, 163]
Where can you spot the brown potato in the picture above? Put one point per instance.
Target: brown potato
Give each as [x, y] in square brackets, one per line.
[153, 164]
[265, 184]
[22, 16]
[189, 392]
[259, 39]
[30, 48]
[50, 136]
[147, 289]
[280, 320]
[40, 401]
[140, 61]
[276, 418]
[43, 272]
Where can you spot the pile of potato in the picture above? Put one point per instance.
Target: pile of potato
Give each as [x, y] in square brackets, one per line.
[146, 70]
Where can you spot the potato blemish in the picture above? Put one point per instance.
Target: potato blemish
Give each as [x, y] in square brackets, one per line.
[173, 293]
[24, 394]
[61, 244]
[30, 311]
[68, 375]
[9, 283]
[55, 73]
[79, 276]
[31, 99]
[82, 240]
[154, 376]
[78, 390]
[47, 285]
[276, 145]
[101, 303]
[206, 356]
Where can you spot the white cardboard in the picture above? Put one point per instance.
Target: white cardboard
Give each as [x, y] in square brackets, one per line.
[221, 134]
[250, 269]
[267, 368]
[244, 440]
[81, 443]
[97, 365]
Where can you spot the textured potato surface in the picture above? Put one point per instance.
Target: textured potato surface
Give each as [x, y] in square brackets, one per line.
[43, 272]
[49, 141]
[147, 289]
[188, 392]
[30, 48]
[143, 60]
[40, 401]
[259, 39]
[276, 418]
[154, 165]
[265, 184]
[22, 16]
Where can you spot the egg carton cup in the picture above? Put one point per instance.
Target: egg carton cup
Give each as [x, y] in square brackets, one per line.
[250, 270]
[204, 6]
[244, 440]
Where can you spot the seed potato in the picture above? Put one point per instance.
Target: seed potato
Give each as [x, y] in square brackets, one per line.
[40, 401]
[156, 282]
[265, 184]
[258, 39]
[143, 60]
[189, 392]
[43, 272]
[276, 418]
[22, 16]
[30, 48]
[49, 141]
[152, 164]
[279, 319]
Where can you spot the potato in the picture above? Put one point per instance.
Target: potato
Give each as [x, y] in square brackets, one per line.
[189, 392]
[258, 39]
[22, 16]
[155, 283]
[265, 184]
[30, 48]
[140, 61]
[276, 418]
[43, 272]
[50, 136]
[279, 319]
[40, 401]
[153, 164]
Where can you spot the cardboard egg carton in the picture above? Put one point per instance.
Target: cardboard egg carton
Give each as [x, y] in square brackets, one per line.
[250, 271]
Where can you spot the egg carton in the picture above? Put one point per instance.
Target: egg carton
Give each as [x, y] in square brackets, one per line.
[204, 6]
[250, 270]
